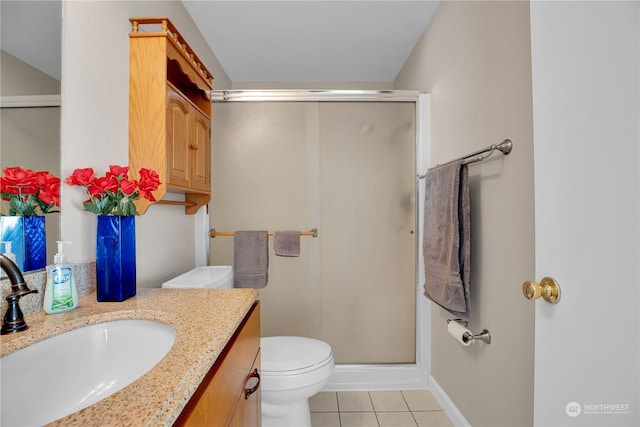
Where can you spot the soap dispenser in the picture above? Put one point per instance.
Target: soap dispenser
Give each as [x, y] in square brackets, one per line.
[7, 252]
[60, 294]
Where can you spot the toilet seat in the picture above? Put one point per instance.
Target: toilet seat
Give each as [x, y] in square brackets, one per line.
[285, 355]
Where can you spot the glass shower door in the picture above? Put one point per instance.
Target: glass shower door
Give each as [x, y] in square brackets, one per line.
[346, 168]
[368, 245]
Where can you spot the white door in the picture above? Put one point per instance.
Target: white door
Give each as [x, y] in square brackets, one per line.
[585, 59]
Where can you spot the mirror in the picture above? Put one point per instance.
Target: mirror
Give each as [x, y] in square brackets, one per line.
[30, 93]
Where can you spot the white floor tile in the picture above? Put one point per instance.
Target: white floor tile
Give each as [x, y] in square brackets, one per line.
[420, 400]
[396, 419]
[354, 401]
[432, 419]
[325, 419]
[358, 419]
[388, 401]
[324, 402]
[380, 408]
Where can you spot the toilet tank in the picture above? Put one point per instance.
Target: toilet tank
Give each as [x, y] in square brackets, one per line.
[209, 277]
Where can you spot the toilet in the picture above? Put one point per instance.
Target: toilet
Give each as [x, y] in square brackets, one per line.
[292, 368]
[209, 277]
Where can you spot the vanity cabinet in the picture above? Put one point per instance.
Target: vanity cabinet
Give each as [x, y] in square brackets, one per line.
[169, 113]
[229, 395]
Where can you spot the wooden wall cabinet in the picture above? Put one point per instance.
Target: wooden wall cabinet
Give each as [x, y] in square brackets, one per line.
[229, 395]
[188, 143]
[169, 113]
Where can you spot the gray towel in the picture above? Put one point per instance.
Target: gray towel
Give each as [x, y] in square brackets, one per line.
[250, 259]
[286, 243]
[446, 246]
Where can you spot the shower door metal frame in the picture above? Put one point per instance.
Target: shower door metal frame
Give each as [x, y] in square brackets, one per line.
[373, 376]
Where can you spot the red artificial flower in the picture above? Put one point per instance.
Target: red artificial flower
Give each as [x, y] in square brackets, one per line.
[114, 193]
[117, 171]
[147, 195]
[45, 179]
[149, 181]
[17, 175]
[8, 189]
[81, 177]
[128, 187]
[19, 181]
[29, 192]
[101, 185]
[50, 193]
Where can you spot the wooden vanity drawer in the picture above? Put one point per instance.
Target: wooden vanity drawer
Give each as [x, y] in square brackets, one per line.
[221, 393]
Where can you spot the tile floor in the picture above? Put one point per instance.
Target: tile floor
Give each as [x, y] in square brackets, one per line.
[406, 408]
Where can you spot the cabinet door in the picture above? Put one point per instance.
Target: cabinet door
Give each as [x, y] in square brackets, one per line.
[178, 136]
[200, 146]
[220, 400]
[248, 412]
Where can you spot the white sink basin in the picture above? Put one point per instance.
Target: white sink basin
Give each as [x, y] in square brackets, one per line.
[63, 374]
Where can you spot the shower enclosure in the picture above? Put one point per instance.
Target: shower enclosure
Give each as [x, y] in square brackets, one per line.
[346, 165]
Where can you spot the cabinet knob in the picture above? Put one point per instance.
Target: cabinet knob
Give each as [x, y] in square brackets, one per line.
[548, 289]
[193, 146]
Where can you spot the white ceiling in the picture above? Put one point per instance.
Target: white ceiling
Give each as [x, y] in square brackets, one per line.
[312, 41]
[262, 41]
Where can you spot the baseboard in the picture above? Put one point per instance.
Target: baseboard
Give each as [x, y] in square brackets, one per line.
[447, 404]
[377, 377]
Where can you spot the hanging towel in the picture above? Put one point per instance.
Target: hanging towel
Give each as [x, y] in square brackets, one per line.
[446, 243]
[250, 259]
[286, 243]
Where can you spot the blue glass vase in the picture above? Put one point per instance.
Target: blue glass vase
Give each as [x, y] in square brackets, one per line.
[116, 257]
[28, 238]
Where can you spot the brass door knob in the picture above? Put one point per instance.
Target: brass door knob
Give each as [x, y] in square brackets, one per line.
[548, 289]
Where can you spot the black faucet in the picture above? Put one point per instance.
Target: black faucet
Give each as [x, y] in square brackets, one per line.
[13, 318]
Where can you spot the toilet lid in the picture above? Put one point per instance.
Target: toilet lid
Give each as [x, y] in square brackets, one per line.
[280, 354]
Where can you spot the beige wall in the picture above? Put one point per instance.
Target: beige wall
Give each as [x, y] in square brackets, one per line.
[474, 60]
[95, 120]
[19, 78]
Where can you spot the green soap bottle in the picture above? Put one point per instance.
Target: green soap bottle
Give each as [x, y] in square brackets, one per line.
[60, 294]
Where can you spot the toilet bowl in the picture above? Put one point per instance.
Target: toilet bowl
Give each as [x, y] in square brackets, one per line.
[293, 370]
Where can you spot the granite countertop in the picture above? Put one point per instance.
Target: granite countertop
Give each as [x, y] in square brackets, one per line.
[204, 321]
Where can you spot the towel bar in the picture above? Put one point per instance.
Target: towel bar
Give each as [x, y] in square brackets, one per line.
[504, 147]
[213, 233]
